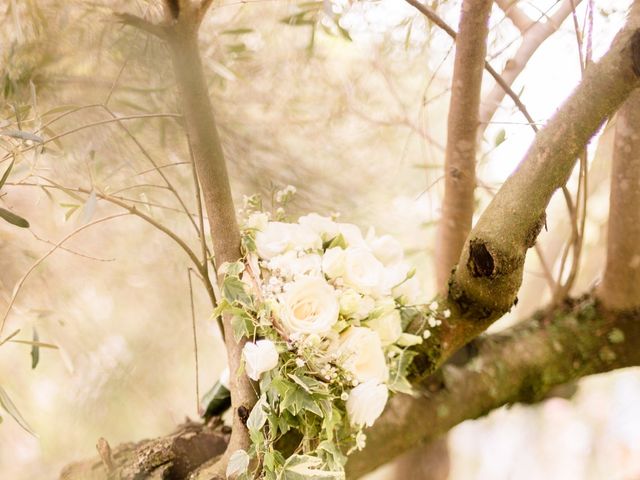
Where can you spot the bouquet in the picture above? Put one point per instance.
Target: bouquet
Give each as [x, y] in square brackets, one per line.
[324, 310]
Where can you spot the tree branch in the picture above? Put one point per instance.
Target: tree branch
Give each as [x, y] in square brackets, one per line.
[520, 20]
[489, 273]
[620, 288]
[142, 24]
[208, 157]
[522, 364]
[431, 15]
[532, 37]
[462, 131]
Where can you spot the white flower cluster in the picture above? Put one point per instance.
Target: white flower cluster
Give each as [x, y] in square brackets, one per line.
[327, 283]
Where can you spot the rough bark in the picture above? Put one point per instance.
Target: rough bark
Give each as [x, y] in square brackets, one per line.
[462, 131]
[521, 364]
[620, 288]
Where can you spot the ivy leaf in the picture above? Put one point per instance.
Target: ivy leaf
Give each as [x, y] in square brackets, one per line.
[258, 416]
[233, 291]
[242, 325]
[13, 219]
[238, 463]
[11, 409]
[305, 467]
[398, 379]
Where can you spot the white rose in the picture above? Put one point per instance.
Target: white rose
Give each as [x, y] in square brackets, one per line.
[360, 353]
[364, 272]
[366, 403]
[388, 327]
[323, 226]
[257, 221]
[292, 265]
[387, 249]
[259, 357]
[308, 305]
[333, 262]
[278, 237]
[408, 292]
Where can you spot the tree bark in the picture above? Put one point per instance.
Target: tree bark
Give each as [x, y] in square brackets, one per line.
[489, 273]
[620, 288]
[462, 131]
[183, 19]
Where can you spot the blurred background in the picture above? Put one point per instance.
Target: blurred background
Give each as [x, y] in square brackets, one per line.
[345, 100]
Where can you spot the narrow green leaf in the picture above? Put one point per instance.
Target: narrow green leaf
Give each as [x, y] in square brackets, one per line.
[500, 137]
[35, 350]
[22, 135]
[237, 31]
[88, 209]
[13, 219]
[11, 409]
[13, 334]
[5, 175]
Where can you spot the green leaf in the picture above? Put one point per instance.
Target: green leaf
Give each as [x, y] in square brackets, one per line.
[258, 416]
[5, 175]
[13, 219]
[399, 369]
[242, 326]
[215, 401]
[338, 241]
[298, 19]
[238, 463]
[233, 290]
[310, 385]
[22, 135]
[35, 350]
[88, 209]
[11, 409]
[306, 467]
[237, 31]
[500, 137]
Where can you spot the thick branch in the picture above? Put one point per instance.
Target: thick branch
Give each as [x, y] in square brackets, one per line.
[532, 37]
[212, 173]
[620, 288]
[489, 273]
[460, 158]
[520, 20]
[521, 364]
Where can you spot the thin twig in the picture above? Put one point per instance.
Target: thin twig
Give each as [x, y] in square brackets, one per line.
[195, 339]
[20, 283]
